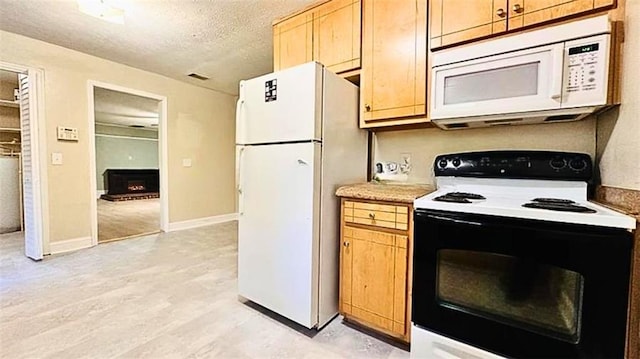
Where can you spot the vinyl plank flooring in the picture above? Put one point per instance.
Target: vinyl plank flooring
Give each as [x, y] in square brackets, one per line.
[166, 295]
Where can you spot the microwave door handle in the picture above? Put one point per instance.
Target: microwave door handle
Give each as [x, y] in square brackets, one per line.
[557, 62]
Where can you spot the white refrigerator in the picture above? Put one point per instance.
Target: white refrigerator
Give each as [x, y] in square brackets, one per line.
[297, 140]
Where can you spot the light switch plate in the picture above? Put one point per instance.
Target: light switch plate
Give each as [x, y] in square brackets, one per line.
[186, 162]
[67, 133]
[56, 158]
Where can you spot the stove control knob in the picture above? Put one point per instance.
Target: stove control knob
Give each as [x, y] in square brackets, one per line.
[442, 163]
[578, 164]
[455, 162]
[557, 163]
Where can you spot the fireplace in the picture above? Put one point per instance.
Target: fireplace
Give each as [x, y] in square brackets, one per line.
[131, 183]
[136, 186]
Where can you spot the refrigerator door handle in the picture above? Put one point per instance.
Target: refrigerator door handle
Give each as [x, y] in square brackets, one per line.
[239, 123]
[240, 196]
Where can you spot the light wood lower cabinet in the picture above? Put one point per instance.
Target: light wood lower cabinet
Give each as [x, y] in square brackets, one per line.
[375, 266]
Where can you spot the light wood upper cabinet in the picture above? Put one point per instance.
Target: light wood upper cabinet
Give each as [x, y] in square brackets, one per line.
[374, 267]
[328, 33]
[336, 35]
[292, 41]
[455, 21]
[531, 12]
[393, 76]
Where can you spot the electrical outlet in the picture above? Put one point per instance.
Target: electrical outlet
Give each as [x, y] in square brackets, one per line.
[405, 163]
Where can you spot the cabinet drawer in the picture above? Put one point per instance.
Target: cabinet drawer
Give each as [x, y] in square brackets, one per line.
[373, 214]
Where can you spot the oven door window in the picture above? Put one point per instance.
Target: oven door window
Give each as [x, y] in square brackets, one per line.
[523, 293]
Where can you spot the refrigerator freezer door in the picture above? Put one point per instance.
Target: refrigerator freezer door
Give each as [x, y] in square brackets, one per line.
[278, 234]
[283, 106]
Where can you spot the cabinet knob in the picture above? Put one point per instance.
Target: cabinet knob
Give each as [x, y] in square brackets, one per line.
[345, 243]
[501, 13]
[517, 8]
[372, 215]
[367, 108]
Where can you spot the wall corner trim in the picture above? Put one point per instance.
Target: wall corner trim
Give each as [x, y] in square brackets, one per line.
[70, 245]
[200, 222]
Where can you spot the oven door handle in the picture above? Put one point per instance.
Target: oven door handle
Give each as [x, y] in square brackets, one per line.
[448, 219]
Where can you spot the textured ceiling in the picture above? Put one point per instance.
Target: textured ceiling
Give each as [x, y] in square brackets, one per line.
[225, 40]
[118, 108]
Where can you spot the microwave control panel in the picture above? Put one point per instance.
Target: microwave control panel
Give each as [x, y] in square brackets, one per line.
[586, 71]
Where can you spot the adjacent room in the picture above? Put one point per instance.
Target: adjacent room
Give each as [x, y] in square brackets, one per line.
[127, 164]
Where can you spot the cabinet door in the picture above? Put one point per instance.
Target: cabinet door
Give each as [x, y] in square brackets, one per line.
[336, 35]
[292, 41]
[455, 21]
[346, 259]
[393, 77]
[531, 12]
[378, 278]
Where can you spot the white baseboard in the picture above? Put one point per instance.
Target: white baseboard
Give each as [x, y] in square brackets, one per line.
[100, 192]
[200, 222]
[70, 245]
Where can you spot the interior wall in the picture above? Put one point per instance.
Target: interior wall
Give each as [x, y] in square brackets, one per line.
[618, 140]
[118, 152]
[201, 127]
[425, 144]
[9, 116]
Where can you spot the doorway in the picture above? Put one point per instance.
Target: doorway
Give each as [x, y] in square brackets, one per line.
[23, 188]
[128, 162]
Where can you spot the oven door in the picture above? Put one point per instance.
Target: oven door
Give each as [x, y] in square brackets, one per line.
[521, 288]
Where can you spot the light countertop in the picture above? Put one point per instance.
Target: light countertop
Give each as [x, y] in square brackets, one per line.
[374, 191]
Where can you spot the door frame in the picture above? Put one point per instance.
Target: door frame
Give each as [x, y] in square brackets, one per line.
[162, 153]
[37, 129]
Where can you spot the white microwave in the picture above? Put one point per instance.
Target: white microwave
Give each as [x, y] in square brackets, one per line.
[560, 73]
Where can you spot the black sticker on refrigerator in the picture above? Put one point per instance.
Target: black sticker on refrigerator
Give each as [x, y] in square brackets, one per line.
[270, 90]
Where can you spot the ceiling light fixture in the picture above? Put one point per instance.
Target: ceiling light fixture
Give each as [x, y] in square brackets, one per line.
[102, 10]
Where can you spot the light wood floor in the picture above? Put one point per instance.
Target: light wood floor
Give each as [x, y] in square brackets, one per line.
[127, 218]
[168, 295]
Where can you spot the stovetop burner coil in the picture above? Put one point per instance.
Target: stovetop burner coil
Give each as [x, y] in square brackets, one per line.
[447, 198]
[563, 207]
[464, 195]
[553, 200]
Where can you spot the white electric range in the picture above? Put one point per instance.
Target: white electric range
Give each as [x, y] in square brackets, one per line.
[512, 260]
[558, 201]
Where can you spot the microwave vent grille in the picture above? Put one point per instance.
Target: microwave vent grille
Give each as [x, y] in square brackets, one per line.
[456, 125]
[562, 118]
[503, 122]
